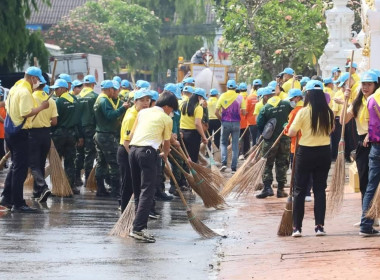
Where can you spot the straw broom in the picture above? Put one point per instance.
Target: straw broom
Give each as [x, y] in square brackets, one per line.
[214, 148]
[214, 169]
[286, 225]
[29, 181]
[195, 222]
[91, 181]
[61, 186]
[236, 179]
[3, 161]
[229, 147]
[335, 196]
[124, 224]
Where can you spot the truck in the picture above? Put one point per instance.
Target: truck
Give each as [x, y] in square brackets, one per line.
[78, 65]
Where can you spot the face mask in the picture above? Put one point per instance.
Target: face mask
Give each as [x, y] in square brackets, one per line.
[293, 104]
[37, 84]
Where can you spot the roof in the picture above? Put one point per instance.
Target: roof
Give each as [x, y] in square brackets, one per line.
[52, 15]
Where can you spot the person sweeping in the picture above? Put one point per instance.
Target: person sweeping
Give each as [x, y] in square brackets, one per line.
[315, 122]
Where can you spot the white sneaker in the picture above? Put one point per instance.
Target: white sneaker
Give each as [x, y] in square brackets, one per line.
[142, 235]
[241, 157]
[297, 233]
[357, 224]
[308, 198]
[223, 168]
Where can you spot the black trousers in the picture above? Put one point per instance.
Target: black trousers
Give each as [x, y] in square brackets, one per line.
[214, 125]
[39, 146]
[14, 183]
[2, 148]
[143, 163]
[125, 176]
[362, 160]
[244, 143]
[254, 134]
[192, 141]
[350, 138]
[314, 161]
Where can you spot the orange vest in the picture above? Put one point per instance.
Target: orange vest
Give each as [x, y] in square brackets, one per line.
[243, 119]
[251, 104]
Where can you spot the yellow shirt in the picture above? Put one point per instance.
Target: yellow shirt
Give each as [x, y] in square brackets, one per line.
[258, 107]
[153, 127]
[337, 108]
[354, 92]
[361, 124]
[211, 105]
[356, 77]
[188, 122]
[330, 92]
[288, 86]
[124, 92]
[43, 118]
[22, 103]
[302, 122]
[127, 124]
[131, 94]
[184, 98]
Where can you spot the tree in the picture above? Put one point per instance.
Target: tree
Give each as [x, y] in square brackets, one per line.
[17, 43]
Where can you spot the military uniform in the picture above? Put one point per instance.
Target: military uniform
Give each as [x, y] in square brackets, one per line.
[278, 109]
[124, 95]
[107, 116]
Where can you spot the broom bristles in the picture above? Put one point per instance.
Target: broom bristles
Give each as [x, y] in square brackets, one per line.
[3, 161]
[286, 225]
[29, 181]
[336, 193]
[211, 177]
[215, 152]
[374, 209]
[200, 227]
[61, 186]
[91, 181]
[124, 224]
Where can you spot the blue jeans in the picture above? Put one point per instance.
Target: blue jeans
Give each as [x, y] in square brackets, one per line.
[230, 128]
[373, 181]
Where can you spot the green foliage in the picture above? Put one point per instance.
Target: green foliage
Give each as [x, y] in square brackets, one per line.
[17, 43]
[281, 34]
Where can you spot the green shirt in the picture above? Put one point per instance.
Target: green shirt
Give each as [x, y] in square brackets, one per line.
[107, 118]
[68, 116]
[176, 121]
[87, 108]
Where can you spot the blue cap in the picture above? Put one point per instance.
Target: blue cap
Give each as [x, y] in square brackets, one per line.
[369, 77]
[142, 84]
[180, 86]
[46, 89]
[201, 92]
[243, 86]
[293, 93]
[117, 78]
[354, 65]
[189, 80]
[328, 81]
[214, 92]
[60, 83]
[288, 70]
[89, 79]
[106, 84]
[376, 71]
[65, 77]
[314, 84]
[272, 84]
[257, 82]
[266, 91]
[231, 84]
[76, 83]
[171, 87]
[334, 70]
[116, 84]
[260, 91]
[154, 95]
[142, 93]
[342, 79]
[124, 83]
[189, 89]
[35, 71]
[178, 93]
[304, 80]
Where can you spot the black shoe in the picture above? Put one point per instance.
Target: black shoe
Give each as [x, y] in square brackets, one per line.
[23, 209]
[163, 196]
[5, 205]
[368, 233]
[36, 195]
[78, 182]
[44, 195]
[267, 191]
[154, 215]
[172, 189]
[281, 193]
[75, 190]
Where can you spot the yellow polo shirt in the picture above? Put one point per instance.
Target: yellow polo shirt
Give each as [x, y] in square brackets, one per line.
[127, 124]
[288, 86]
[20, 103]
[184, 98]
[153, 127]
[43, 118]
[211, 106]
[188, 122]
[302, 122]
[356, 77]
[337, 108]
[361, 124]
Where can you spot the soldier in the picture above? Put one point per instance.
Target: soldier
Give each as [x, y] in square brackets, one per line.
[67, 78]
[87, 98]
[278, 109]
[68, 132]
[106, 116]
[76, 87]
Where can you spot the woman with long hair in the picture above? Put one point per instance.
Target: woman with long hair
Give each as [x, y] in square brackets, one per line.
[191, 123]
[315, 122]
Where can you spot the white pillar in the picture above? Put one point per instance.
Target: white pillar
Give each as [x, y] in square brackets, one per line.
[374, 32]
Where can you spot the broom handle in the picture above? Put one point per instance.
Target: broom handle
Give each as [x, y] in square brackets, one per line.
[293, 167]
[178, 165]
[274, 144]
[168, 170]
[184, 146]
[5, 158]
[215, 132]
[212, 161]
[178, 153]
[254, 153]
[245, 130]
[346, 100]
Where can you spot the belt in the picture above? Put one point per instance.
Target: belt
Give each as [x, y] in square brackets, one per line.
[144, 147]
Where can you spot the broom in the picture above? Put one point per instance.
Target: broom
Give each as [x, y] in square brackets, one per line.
[61, 186]
[286, 225]
[91, 181]
[3, 161]
[214, 169]
[254, 173]
[207, 192]
[335, 196]
[29, 181]
[236, 179]
[229, 147]
[215, 149]
[124, 224]
[195, 222]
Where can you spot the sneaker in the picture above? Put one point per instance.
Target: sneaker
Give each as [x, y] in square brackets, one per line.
[153, 215]
[143, 236]
[223, 168]
[36, 195]
[376, 223]
[23, 209]
[371, 232]
[297, 233]
[308, 198]
[44, 195]
[162, 196]
[241, 157]
[233, 171]
[75, 190]
[357, 224]
[78, 182]
[319, 231]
